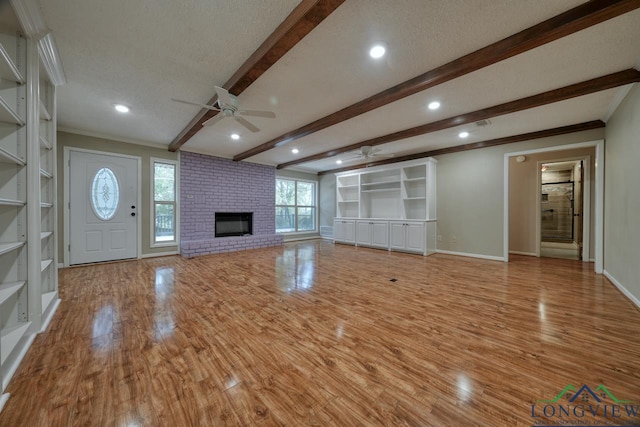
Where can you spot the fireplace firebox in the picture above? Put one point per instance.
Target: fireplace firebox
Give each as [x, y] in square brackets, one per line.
[233, 224]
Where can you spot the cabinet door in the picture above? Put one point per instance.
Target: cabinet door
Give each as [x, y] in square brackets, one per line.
[349, 231]
[338, 230]
[397, 235]
[380, 234]
[363, 232]
[415, 237]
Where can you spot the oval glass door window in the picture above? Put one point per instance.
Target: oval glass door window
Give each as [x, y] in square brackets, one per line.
[105, 194]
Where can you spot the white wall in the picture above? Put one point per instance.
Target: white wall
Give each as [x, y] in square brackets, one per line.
[622, 194]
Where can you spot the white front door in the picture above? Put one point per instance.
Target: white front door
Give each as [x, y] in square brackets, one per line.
[103, 211]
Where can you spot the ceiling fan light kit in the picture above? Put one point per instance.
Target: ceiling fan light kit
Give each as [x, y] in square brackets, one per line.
[227, 106]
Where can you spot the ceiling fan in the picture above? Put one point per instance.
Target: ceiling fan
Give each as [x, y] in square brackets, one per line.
[227, 106]
[367, 153]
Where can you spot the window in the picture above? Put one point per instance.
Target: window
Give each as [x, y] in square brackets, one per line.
[295, 206]
[105, 194]
[164, 229]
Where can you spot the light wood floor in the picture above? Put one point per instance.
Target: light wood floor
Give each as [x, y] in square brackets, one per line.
[317, 334]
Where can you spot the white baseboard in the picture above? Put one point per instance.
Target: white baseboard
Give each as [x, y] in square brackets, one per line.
[60, 265]
[523, 253]
[157, 254]
[622, 289]
[3, 400]
[51, 312]
[297, 239]
[489, 257]
[14, 365]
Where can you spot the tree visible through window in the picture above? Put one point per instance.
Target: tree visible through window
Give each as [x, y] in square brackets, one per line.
[295, 205]
[164, 200]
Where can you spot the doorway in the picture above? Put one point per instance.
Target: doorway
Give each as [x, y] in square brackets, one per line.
[103, 207]
[561, 209]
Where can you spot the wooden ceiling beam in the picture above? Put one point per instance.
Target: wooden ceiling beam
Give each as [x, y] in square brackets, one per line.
[595, 124]
[572, 91]
[304, 18]
[576, 19]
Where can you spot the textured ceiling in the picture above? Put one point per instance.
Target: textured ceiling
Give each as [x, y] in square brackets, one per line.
[142, 54]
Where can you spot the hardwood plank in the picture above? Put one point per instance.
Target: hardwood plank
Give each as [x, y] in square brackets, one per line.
[228, 339]
[300, 22]
[567, 23]
[587, 87]
[563, 130]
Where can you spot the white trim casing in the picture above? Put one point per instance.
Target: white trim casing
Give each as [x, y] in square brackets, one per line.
[599, 202]
[159, 254]
[152, 211]
[470, 255]
[66, 199]
[315, 230]
[622, 289]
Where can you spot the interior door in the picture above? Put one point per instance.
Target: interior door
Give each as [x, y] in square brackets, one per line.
[103, 207]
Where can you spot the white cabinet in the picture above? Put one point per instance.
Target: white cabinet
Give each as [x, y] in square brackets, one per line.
[344, 231]
[407, 236]
[372, 233]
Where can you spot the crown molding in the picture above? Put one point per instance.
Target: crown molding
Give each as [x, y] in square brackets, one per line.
[35, 28]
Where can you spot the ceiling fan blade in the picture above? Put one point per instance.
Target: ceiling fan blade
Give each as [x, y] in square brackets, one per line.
[213, 120]
[209, 107]
[223, 95]
[244, 122]
[257, 113]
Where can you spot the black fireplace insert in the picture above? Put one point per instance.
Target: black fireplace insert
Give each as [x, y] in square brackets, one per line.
[234, 224]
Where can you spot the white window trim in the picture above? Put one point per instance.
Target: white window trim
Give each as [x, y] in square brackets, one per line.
[315, 206]
[152, 203]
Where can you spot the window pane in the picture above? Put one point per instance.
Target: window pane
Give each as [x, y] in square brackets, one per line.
[285, 219]
[165, 224]
[164, 182]
[305, 194]
[105, 194]
[285, 192]
[306, 219]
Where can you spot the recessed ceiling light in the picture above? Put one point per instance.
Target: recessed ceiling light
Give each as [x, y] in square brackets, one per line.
[235, 136]
[121, 108]
[434, 105]
[339, 161]
[377, 51]
[295, 151]
[463, 134]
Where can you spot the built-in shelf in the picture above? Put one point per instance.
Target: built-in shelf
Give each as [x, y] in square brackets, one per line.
[11, 202]
[44, 113]
[11, 337]
[8, 157]
[44, 143]
[415, 198]
[378, 190]
[45, 234]
[348, 201]
[7, 115]
[47, 298]
[414, 179]
[46, 205]
[393, 181]
[45, 174]
[8, 247]
[7, 290]
[45, 263]
[349, 186]
[8, 69]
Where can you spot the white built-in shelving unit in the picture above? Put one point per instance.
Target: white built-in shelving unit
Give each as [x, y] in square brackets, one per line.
[28, 228]
[391, 207]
